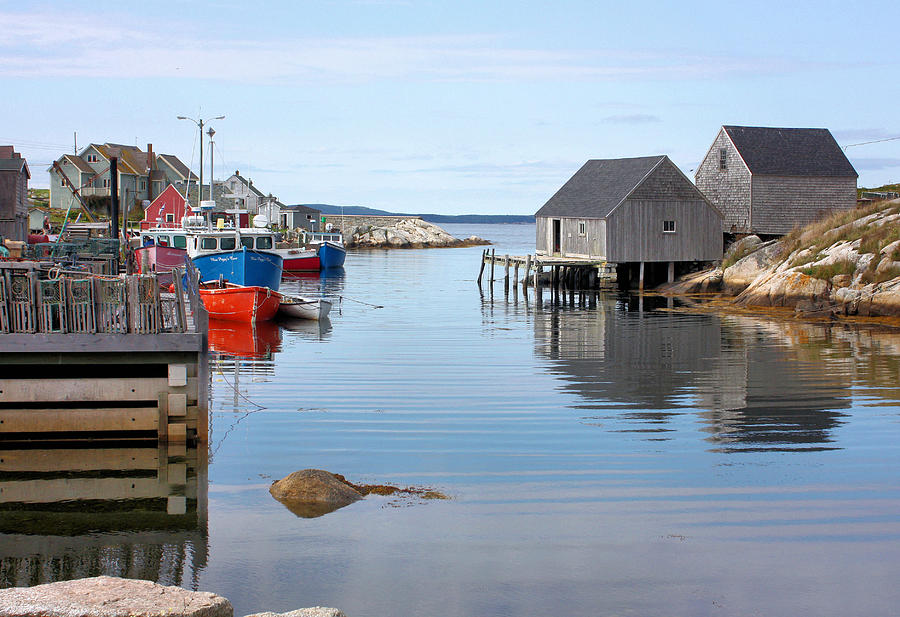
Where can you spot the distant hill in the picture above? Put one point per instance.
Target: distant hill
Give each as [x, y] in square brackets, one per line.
[431, 218]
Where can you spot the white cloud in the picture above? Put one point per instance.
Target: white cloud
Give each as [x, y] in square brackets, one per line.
[71, 45]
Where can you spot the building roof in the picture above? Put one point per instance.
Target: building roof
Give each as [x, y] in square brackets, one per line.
[175, 163]
[79, 163]
[16, 165]
[247, 183]
[790, 152]
[599, 186]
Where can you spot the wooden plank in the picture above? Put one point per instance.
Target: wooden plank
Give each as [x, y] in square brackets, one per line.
[78, 420]
[78, 459]
[77, 489]
[87, 389]
[86, 342]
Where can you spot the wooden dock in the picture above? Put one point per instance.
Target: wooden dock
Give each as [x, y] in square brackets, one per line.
[561, 272]
[100, 357]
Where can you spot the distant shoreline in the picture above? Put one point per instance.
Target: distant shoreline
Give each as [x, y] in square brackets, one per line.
[474, 219]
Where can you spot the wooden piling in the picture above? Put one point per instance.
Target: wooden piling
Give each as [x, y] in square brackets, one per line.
[527, 270]
[493, 255]
[481, 271]
[506, 270]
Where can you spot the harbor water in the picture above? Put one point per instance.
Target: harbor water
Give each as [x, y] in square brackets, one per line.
[612, 457]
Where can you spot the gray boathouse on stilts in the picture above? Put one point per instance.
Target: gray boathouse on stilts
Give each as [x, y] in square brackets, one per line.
[642, 216]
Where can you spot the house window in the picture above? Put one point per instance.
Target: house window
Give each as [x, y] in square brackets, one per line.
[92, 158]
[170, 218]
[723, 159]
[143, 185]
[106, 183]
[582, 228]
[668, 227]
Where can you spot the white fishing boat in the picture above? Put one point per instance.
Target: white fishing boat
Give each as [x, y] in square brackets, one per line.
[297, 307]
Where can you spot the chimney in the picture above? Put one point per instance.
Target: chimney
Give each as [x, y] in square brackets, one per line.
[151, 160]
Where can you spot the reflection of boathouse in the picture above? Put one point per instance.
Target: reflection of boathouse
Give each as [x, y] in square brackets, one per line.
[649, 366]
[130, 512]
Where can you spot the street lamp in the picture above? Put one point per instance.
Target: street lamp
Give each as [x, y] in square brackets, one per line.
[199, 122]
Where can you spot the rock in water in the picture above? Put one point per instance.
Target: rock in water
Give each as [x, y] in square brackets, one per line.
[313, 492]
[106, 596]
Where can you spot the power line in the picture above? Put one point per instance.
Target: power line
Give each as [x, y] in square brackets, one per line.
[874, 141]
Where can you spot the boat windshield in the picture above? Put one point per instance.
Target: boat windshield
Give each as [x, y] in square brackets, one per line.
[264, 242]
[227, 244]
[179, 242]
[208, 244]
[247, 241]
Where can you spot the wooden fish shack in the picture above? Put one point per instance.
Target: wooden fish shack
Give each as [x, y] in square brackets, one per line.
[641, 216]
[87, 356]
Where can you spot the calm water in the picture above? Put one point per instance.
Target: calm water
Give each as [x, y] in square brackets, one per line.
[610, 459]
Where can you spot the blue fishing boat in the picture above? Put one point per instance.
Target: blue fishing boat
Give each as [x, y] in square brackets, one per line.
[239, 256]
[329, 247]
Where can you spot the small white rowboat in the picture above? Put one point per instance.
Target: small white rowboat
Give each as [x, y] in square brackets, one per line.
[303, 308]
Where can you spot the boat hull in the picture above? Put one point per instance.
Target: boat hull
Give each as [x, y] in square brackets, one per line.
[159, 259]
[302, 308]
[299, 260]
[331, 255]
[243, 267]
[239, 303]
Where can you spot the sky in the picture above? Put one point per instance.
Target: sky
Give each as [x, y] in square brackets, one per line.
[442, 107]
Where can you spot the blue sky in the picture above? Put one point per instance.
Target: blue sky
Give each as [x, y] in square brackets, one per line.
[446, 107]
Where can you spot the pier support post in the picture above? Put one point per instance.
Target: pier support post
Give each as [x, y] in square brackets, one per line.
[527, 270]
[506, 270]
[481, 271]
[493, 254]
[671, 271]
[641, 277]
[516, 273]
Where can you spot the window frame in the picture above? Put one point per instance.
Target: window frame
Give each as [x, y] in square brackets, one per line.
[723, 159]
[582, 228]
[666, 226]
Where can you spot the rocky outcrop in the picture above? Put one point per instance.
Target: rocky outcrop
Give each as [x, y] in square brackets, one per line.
[851, 268]
[758, 257]
[312, 492]
[106, 596]
[407, 233]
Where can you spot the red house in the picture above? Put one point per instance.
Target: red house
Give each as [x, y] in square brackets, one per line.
[166, 210]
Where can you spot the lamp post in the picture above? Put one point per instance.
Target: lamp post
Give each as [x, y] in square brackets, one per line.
[199, 122]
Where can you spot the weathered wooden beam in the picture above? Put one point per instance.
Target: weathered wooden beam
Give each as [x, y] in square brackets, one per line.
[87, 389]
[78, 459]
[78, 420]
[481, 270]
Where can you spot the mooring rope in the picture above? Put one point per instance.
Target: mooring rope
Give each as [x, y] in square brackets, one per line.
[341, 299]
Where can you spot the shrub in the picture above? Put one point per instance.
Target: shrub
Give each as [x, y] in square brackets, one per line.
[828, 271]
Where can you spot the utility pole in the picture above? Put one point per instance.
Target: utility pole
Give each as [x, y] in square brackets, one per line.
[199, 122]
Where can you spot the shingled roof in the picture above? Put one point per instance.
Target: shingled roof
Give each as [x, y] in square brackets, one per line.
[790, 152]
[599, 186]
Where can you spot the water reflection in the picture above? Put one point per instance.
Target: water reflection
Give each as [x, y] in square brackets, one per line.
[79, 512]
[757, 385]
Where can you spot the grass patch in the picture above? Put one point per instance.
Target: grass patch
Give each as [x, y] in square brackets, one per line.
[829, 271]
[876, 238]
[732, 258]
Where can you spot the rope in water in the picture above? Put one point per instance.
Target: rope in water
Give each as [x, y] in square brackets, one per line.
[341, 299]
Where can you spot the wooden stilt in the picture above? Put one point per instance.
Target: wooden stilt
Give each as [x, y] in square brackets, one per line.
[641, 277]
[506, 270]
[516, 273]
[527, 270]
[493, 254]
[481, 271]
[671, 271]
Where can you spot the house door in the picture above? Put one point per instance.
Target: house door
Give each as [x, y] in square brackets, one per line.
[557, 234]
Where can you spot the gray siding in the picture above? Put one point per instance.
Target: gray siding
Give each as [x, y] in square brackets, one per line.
[591, 244]
[728, 189]
[13, 205]
[780, 204]
[636, 232]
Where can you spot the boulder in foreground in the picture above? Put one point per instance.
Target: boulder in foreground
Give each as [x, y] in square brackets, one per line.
[313, 492]
[106, 596]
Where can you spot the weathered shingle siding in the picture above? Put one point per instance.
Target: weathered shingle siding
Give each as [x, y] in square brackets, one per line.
[780, 203]
[664, 183]
[591, 244]
[636, 232]
[728, 189]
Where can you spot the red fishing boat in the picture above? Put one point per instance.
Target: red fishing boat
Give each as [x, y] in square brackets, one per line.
[299, 259]
[232, 302]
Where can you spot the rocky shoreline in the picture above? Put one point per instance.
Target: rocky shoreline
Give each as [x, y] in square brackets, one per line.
[845, 266]
[406, 233]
